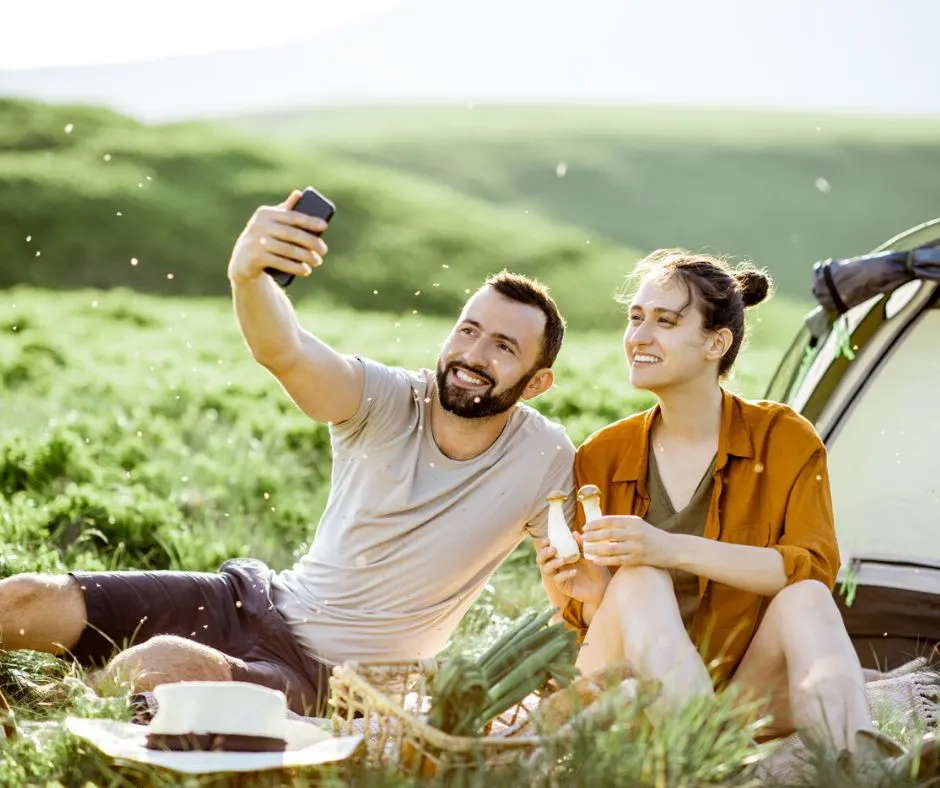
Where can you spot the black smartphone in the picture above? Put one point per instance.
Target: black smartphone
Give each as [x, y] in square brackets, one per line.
[311, 203]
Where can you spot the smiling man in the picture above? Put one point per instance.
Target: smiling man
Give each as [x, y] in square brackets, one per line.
[437, 477]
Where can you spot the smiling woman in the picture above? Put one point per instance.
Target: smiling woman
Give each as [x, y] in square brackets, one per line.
[715, 562]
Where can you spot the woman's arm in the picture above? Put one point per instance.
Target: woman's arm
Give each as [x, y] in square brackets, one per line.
[807, 550]
[759, 570]
[631, 541]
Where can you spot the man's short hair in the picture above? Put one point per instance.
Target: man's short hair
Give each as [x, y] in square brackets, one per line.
[521, 288]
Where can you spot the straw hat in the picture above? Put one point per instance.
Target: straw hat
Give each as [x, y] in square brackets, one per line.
[218, 726]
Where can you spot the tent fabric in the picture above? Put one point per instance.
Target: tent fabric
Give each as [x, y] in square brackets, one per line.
[840, 284]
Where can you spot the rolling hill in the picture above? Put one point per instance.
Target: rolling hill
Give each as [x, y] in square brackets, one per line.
[95, 199]
[782, 189]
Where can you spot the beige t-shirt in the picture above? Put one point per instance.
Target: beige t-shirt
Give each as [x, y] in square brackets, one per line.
[409, 537]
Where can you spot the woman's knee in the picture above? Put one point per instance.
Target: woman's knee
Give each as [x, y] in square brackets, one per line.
[805, 601]
[630, 581]
[805, 595]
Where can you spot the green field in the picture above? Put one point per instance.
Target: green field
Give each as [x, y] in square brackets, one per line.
[430, 201]
[137, 432]
[743, 183]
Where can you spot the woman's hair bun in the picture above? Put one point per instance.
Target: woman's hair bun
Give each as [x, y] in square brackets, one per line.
[755, 286]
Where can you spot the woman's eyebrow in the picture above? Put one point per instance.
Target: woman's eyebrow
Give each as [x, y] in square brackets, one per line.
[661, 310]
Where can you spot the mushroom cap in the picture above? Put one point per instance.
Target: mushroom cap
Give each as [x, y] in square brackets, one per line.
[557, 495]
[588, 491]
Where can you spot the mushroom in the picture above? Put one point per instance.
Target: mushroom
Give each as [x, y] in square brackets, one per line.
[590, 497]
[559, 533]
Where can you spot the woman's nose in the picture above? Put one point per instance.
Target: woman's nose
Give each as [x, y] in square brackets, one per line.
[639, 333]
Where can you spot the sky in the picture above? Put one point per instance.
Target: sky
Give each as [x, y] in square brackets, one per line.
[112, 31]
[177, 59]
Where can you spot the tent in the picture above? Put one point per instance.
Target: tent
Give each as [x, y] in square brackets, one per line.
[864, 368]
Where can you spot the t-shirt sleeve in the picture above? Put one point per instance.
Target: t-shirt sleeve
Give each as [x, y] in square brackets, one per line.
[387, 406]
[560, 476]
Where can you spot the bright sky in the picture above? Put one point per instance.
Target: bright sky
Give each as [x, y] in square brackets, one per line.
[35, 34]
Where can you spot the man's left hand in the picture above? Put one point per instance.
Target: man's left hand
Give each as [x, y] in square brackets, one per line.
[625, 540]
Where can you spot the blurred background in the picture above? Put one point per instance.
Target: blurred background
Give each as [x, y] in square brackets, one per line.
[561, 140]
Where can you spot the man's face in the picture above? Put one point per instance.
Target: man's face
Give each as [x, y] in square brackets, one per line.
[490, 357]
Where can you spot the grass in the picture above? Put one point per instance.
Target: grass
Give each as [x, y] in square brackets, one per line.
[123, 411]
[782, 189]
[114, 203]
[431, 200]
[122, 416]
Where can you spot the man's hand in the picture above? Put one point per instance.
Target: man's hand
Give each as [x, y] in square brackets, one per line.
[277, 237]
[625, 540]
[325, 384]
[581, 580]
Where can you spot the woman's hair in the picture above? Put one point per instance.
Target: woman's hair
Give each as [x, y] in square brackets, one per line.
[721, 292]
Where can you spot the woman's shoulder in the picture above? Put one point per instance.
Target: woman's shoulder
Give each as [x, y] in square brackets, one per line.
[610, 438]
[778, 423]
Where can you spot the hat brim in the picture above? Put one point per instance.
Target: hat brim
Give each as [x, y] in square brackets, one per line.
[307, 745]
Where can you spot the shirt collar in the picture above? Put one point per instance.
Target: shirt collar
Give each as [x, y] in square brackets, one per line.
[734, 440]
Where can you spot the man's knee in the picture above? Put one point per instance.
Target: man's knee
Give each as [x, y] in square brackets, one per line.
[38, 611]
[164, 659]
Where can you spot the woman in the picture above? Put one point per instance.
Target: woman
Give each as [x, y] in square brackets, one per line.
[718, 536]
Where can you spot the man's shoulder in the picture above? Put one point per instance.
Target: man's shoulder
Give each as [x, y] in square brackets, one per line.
[542, 432]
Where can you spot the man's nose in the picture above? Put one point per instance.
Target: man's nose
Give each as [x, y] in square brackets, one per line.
[478, 354]
[475, 353]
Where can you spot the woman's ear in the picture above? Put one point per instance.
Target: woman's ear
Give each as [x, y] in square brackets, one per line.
[719, 343]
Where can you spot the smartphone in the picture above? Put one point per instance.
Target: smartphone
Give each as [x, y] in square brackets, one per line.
[311, 203]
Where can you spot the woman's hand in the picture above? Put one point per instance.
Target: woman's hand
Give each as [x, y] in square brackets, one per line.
[625, 540]
[581, 580]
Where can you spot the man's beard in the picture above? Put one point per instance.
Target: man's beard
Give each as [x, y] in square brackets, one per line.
[472, 405]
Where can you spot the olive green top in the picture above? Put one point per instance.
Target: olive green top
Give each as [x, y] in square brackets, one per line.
[691, 520]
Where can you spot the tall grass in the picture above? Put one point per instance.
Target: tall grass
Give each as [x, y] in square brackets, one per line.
[136, 432]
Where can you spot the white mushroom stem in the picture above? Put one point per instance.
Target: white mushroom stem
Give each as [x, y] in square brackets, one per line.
[590, 498]
[559, 533]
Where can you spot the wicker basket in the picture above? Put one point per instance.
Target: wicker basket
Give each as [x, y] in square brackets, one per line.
[387, 703]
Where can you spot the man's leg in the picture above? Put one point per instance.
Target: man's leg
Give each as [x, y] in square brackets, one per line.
[41, 613]
[178, 621]
[163, 659]
[802, 655]
[639, 620]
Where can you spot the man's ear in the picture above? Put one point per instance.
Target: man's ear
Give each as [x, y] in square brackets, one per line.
[719, 343]
[541, 382]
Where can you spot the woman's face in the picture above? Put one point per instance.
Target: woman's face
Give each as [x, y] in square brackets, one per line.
[664, 343]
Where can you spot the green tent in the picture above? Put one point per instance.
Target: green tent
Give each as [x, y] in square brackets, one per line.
[865, 369]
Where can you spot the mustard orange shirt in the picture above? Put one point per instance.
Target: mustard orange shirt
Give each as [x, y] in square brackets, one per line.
[771, 490]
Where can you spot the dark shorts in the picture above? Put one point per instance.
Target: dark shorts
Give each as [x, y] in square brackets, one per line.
[230, 611]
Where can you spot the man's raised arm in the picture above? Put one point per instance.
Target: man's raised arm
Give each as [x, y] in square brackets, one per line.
[325, 384]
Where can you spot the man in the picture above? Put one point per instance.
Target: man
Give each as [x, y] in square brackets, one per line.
[437, 477]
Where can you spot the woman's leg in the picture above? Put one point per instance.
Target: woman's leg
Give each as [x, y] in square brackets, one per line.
[802, 657]
[639, 621]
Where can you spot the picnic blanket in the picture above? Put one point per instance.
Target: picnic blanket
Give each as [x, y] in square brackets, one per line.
[907, 699]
